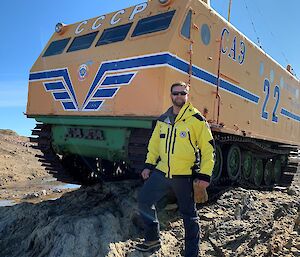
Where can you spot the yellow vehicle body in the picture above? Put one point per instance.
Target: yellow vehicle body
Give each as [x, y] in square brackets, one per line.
[243, 91]
[95, 73]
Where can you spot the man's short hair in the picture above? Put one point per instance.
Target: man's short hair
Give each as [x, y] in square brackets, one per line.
[181, 84]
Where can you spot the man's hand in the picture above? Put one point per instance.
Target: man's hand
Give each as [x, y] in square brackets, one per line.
[200, 194]
[145, 174]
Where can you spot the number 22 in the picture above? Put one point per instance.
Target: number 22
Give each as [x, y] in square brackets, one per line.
[276, 96]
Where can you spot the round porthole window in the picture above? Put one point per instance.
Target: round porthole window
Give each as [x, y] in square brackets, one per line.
[205, 34]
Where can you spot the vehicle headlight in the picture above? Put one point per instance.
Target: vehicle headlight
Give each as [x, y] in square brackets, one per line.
[59, 27]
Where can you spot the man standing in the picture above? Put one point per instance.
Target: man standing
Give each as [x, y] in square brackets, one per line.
[180, 154]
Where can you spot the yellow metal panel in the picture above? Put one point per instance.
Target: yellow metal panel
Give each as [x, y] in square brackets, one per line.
[221, 55]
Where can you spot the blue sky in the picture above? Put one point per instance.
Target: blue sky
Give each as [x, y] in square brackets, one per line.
[27, 25]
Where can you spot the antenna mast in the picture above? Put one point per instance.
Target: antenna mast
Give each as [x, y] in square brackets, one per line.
[229, 10]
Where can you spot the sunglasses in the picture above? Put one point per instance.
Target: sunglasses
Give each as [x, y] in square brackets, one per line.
[179, 93]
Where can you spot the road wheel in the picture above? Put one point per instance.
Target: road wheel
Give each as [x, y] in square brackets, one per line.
[277, 171]
[234, 162]
[247, 165]
[257, 172]
[268, 173]
[217, 171]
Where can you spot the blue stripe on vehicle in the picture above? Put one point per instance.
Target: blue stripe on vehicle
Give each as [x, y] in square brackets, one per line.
[198, 73]
[207, 77]
[93, 105]
[290, 114]
[54, 86]
[105, 92]
[69, 105]
[54, 74]
[69, 84]
[117, 79]
[46, 74]
[239, 91]
[173, 61]
[61, 96]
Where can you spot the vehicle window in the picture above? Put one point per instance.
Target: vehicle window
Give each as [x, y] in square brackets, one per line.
[153, 24]
[56, 47]
[82, 42]
[115, 34]
[186, 27]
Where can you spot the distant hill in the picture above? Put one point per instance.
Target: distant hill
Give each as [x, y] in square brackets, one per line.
[8, 132]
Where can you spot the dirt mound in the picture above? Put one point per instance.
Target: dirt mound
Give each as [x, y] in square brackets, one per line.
[17, 159]
[8, 132]
[81, 223]
[103, 221]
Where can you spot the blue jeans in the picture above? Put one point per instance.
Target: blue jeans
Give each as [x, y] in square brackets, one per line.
[156, 187]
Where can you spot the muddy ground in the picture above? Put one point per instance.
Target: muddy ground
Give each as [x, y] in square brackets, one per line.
[41, 216]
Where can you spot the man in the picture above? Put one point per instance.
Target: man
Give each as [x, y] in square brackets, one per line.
[180, 137]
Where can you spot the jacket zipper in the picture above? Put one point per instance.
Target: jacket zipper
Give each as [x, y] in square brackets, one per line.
[167, 139]
[174, 141]
[169, 150]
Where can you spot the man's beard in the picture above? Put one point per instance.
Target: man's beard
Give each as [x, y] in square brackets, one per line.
[178, 102]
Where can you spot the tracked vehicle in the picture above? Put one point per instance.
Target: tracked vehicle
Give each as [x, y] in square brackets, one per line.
[99, 85]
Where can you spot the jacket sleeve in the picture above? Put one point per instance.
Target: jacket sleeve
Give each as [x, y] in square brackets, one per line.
[206, 145]
[153, 148]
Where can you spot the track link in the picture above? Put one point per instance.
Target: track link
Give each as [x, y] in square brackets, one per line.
[137, 148]
[41, 139]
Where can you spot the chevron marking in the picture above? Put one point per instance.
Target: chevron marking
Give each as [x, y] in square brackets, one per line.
[107, 87]
[61, 88]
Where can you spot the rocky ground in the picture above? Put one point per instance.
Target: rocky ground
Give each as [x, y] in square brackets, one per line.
[102, 220]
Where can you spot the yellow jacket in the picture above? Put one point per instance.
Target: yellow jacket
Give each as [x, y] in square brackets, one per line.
[175, 148]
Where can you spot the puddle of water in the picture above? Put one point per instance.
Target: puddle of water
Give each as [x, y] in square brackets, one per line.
[67, 186]
[4, 203]
[53, 199]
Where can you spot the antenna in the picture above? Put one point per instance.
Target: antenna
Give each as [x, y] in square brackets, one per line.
[229, 10]
[253, 25]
